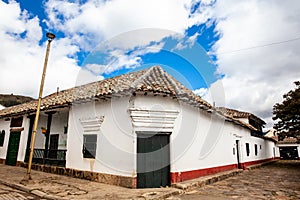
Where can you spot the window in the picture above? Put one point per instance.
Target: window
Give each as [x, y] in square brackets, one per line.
[16, 122]
[247, 149]
[2, 136]
[89, 146]
[255, 149]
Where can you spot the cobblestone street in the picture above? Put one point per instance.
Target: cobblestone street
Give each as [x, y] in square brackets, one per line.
[13, 194]
[280, 180]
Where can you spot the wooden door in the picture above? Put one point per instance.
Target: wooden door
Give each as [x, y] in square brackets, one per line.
[238, 153]
[13, 148]
[53, 146]
[153, 160]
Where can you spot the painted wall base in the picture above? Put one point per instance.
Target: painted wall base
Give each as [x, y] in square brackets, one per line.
[188, 175]
[123, 181]
[256, 162]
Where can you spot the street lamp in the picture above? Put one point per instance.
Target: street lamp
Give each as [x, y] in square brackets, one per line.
[50, 37]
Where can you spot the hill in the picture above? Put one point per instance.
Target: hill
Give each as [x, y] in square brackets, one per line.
[8, 100]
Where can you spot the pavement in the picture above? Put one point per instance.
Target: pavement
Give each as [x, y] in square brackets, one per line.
[278, 181]
[52, 186]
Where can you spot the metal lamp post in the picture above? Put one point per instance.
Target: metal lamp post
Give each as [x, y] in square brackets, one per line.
[50, 37]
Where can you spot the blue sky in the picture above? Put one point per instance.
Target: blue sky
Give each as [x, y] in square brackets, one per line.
[239, 54]
[191, 65]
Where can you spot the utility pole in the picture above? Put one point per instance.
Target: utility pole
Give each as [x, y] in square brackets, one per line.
[50, 37]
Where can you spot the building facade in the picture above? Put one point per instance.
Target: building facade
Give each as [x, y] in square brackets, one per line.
[137, 130]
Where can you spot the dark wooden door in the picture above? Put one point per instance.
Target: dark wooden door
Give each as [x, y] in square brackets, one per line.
[153, 160]
[13, 148]
[238, 153]
[53, 146]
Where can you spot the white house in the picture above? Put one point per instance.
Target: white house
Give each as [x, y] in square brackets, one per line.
[137, 130]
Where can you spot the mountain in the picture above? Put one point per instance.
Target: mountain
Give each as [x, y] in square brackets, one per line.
[8, 100]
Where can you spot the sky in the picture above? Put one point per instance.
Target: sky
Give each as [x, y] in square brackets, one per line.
[239, 54]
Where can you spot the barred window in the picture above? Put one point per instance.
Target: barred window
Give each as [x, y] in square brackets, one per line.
[89, 146]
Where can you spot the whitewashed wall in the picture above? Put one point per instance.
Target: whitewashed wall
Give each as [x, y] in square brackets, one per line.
[59, 121]
[201, 140]
[4, 125]
[23, 139]
[115, 140]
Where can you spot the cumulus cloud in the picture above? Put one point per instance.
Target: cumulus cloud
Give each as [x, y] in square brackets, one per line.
[258, 68]
[22, 58]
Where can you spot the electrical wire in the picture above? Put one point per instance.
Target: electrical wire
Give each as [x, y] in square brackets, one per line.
[260, 46]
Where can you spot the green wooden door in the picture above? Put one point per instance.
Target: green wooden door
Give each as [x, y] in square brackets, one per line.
[153, 160]
[13, 148]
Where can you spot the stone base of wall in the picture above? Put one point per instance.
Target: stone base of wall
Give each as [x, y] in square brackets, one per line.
[2, 161]
[123, 181]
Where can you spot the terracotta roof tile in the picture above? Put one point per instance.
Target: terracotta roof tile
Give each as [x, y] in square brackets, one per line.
[154, 79]
[238, 114]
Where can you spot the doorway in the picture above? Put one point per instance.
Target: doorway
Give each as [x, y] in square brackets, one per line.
[13, 148]
[153, 160]
[238, 153]
[53, 146]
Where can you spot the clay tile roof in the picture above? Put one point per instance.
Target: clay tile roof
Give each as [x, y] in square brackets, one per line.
[289, 140]
[238, 114]
[153, 79]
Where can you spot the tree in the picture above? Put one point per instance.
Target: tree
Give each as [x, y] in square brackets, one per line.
[287, 114]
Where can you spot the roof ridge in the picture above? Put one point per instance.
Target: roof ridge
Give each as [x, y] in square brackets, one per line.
[153, 79]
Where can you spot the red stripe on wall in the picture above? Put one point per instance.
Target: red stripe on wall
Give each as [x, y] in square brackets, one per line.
[187, 175]
[255, 162]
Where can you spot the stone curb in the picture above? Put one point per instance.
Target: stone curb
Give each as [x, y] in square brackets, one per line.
[189, 185]
[31, 191]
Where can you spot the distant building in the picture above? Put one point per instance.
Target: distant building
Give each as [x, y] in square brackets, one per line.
[289, 148]
[139, 130]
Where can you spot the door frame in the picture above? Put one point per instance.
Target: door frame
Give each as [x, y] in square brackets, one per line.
[11, 135]
[238, 154]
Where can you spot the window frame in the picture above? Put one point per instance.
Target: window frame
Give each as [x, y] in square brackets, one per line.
[89, 145]
[255, 149]
[2, 138]
[248, 149]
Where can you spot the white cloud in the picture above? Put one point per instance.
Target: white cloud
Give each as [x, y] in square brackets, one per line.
[22, 58]
[201, 92]
[255, 79]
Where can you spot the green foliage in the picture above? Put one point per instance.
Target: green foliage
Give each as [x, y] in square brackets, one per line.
[287, 114]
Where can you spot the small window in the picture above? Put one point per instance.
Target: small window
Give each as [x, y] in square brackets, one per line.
[16, 122]
[259, 146]
[2, 136]
[255, 149]
[89, 146]
[247, 149]
[233, 151]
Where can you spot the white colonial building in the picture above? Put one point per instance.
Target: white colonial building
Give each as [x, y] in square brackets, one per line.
[142, 129]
